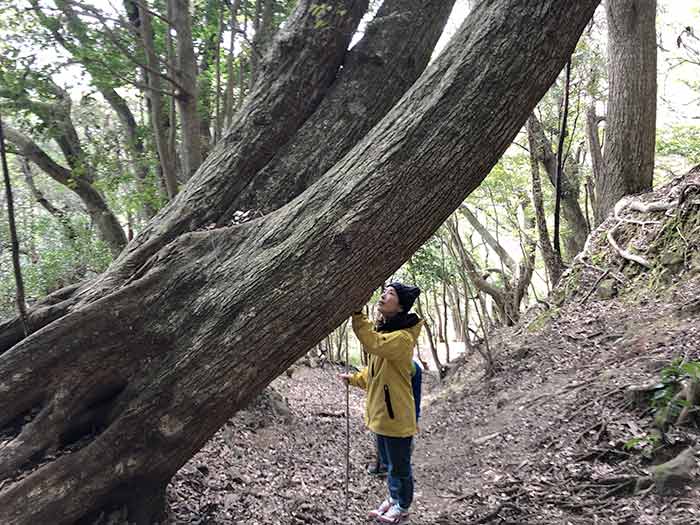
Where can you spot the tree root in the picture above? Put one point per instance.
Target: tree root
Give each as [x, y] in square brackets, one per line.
[624, 253]
[12, 330]
[664, 478]
[691, 395]
[642, 207]
[594, 400]
[35, 438]
[62, 417]
[612, 274]
[572, 387]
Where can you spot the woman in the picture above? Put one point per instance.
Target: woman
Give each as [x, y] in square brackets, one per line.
[390, 409]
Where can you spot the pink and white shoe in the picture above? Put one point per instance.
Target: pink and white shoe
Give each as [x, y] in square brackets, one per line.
[379, 511]
[394, 516]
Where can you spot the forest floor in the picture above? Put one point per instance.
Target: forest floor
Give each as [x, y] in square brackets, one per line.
[545, 440]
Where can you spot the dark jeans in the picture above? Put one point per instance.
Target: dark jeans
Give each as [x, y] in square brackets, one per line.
[395, 453]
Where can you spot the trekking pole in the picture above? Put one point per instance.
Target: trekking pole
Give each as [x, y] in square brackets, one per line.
[347, 431]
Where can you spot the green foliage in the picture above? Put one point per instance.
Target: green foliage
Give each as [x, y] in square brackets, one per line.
[320, 12]
[539, 322]
[647, 444]
[665, 402]
[53, 261]
[431, 265]
[680, 140]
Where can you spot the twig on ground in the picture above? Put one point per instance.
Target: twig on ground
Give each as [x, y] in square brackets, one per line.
[488, 517]
[568, 388]
[595, 286]
[591, 402]
[612, 274]
[602, 424]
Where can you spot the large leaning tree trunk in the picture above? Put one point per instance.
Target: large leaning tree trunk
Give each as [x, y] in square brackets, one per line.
[628, 156]
[232, 306]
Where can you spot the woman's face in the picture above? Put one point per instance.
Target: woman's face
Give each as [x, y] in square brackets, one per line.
[388, 304]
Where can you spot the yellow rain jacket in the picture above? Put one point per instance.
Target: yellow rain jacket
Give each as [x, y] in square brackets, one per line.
[390, 408]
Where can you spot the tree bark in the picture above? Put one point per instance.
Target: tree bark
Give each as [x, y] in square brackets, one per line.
[229, 305]
[296, 78]
[631, 115]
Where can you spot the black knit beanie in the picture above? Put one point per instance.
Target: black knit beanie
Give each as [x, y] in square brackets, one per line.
[407, 294]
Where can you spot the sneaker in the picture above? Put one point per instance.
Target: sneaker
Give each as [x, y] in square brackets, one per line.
[386, 505]
[377, 470]
[395, 516]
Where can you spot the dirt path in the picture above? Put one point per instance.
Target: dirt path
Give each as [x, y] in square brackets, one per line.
[516, 444]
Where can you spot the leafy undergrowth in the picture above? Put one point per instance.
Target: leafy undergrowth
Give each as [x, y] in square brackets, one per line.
[557, 436]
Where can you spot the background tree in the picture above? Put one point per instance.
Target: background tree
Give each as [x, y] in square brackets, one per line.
[628, 156]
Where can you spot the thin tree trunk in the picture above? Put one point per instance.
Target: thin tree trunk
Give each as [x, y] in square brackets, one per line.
[242, 84]
[108, 226]
[429, 335]
[444, 305]
[208, 94]
[551, 261]
[438, 323]
[498, 295]
[219, 116]
[597, 162]
[58, 213]
[486, 351]
[456, 309]
[191, 125]
[569, 184]
[527, 263]
[560, 161]
[485, 234]
[135, 144]
[230, 73]
[154, 94]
